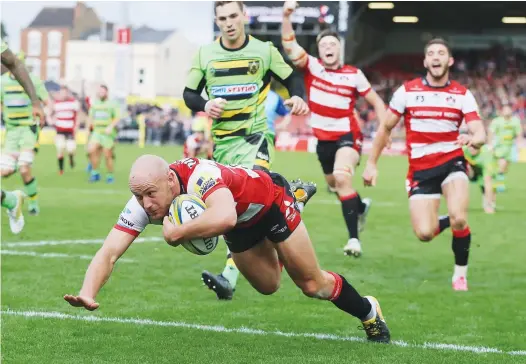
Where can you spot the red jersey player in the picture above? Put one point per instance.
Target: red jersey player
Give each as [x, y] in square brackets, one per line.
[332, 90]
[259, 218]
[65, 110]
[433, 108]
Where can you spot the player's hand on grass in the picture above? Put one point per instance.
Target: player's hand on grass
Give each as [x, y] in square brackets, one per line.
[171, 232]
[297, 106]
[289, 7]
[82, 301]
[369, 174]
[214, 108]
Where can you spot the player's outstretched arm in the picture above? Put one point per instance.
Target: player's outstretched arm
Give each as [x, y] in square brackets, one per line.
[100, 268]
[219, 217]
[294, 51]
[377, 103]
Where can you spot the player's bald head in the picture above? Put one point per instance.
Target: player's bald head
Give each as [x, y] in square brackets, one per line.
[148, 169]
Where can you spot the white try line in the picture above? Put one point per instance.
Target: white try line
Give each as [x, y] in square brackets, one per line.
[54, 255]
[18, 244]
[251, 331]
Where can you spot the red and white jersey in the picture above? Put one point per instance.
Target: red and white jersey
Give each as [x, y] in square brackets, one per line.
[66, 114]
[432, 117]
[332, 95]
[193, 142]
[253, 192]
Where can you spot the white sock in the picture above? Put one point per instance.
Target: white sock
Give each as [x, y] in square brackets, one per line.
[372, 313]
[301, 206]
[460, 271]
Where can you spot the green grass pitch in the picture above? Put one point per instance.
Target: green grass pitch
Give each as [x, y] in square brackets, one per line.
[154, 308]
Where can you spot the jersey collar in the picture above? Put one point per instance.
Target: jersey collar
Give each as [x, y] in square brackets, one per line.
[245, 43]
[424, 81]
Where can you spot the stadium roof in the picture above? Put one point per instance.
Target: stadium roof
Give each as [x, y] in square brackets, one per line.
[451, 15]
[146, 34]
[54, 17]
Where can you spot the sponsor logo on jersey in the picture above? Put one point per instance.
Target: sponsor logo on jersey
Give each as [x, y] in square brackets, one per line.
[234, 90]
[450, 100]
[204, 184]
[16, 102]
[253, 67]
[126, 222]
[126, 211]
[263, 156]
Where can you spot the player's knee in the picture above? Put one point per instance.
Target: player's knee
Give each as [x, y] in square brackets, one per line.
[458, 221]
[269, 287]
[425, 234]
[342, 180]
[25, 160]
[7, 165]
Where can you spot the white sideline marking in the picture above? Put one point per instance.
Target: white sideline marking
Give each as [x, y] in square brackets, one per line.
[18, 244]
[54, 255]
[250, 331]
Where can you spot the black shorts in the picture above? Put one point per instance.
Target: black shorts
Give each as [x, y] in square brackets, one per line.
[277, 224]
[326, 150]
[428, 183]
[69, 135]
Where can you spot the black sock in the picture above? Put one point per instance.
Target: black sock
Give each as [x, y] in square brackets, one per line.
[351, 210]
[460, 245]
[61, 163]
[443, 223]
[71, 161]
[347, 299]
[483, 189]
[361, 205]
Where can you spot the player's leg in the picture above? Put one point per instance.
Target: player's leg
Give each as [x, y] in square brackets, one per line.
[108, 144]
[71, 148]
[60, 144]
[296, 252]
[456, 192]
[503, 156]
[13, 201]
[25, 162]
[10, 151]
[94, 153]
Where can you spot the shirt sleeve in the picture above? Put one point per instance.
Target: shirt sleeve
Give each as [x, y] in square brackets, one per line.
[196, 75]
[205, 179]
[278, 66]
[469, 108]
[133, 219]
[281, 109]
[398, 101]
[362, 84]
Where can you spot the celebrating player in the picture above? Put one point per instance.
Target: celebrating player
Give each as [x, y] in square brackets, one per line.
[259, 218]
[433, 108]
[21, 95]
[64, 114]
[332, 89]
[103, 116]
[505, 131]
[236, 71]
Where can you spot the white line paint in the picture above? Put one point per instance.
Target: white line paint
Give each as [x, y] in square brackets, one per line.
[250, 331]
[54, 255]
[18, 244]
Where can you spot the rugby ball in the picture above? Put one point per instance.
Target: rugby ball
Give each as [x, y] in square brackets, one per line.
[185, 208]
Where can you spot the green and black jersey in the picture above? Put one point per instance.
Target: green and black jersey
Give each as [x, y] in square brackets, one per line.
[242, 77]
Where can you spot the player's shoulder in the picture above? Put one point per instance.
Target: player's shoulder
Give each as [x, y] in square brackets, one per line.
[348, 68]
[456, 87]
[415, 84]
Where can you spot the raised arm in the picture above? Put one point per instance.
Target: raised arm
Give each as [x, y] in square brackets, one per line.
[294, 51]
